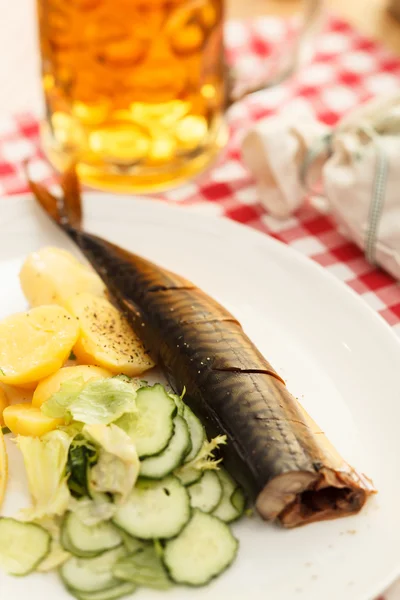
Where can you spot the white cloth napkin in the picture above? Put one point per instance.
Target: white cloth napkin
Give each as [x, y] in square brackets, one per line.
[356, 165]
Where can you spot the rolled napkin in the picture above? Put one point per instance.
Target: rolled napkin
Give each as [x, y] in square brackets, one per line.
[356, 166]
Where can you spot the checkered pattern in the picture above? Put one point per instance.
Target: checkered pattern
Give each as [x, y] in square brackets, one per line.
[346, 70]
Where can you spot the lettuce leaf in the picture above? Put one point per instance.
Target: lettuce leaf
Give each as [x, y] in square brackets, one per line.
[82, 454]
[114, 440]
[111, 475]
[73, 429]
[58, 404]
[117, 468]
[97, 401]
[103, 401]
[45, 462]
[205, 459]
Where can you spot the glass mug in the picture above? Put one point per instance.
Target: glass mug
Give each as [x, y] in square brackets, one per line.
[136, 90]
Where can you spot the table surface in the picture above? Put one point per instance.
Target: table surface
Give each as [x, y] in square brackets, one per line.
[19, 62]
[370, 16]
[20, 85]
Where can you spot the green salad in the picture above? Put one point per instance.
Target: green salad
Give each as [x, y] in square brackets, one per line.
[128, 494]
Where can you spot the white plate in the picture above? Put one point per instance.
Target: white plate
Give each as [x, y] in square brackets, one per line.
[337, 356]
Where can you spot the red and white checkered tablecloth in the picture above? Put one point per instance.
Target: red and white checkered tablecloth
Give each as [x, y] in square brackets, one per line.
[346, 70]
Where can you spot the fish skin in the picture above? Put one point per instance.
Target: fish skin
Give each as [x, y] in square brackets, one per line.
[274, 448]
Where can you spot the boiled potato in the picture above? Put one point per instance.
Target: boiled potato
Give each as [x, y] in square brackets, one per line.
[106, 339]
[3, 404]
[28, 387]
[49, 386]
[3, 468]
[50, 275]
[25, 419]
[16, 395]
[35, 344]
[72, 362]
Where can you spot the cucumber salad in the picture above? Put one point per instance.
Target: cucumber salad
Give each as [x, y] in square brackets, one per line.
[127, 493]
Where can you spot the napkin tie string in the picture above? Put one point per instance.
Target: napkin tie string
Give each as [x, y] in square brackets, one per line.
[323, 146]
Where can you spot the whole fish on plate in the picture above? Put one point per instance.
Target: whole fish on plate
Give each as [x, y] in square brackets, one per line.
[274, 448]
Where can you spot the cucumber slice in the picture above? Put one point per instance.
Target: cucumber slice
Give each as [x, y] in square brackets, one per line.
[188, 476]
[157, 467]
[131, 544]
[23, 546]
[91, 574]
[151, 427]
[226, 510]
[69, 547]
[203, 550]
[239, 501]
[197, 433]
[119, 591]
[143, 568]
[155, 509]
[94, 540]
[206, 494]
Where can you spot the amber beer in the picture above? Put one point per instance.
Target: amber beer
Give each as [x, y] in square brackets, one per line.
[134, 89]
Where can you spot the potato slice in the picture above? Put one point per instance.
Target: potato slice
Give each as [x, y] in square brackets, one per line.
[16, 395]
[3, 468]
[25, 419]
[50, 275]
[106, 338]
[28, 387]
[35, 344]
[3, 404]
[49, 386]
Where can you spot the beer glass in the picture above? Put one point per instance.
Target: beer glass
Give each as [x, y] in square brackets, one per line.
[135, 90]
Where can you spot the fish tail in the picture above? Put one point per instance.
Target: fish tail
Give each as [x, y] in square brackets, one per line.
[71, 200]
[64, 210]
